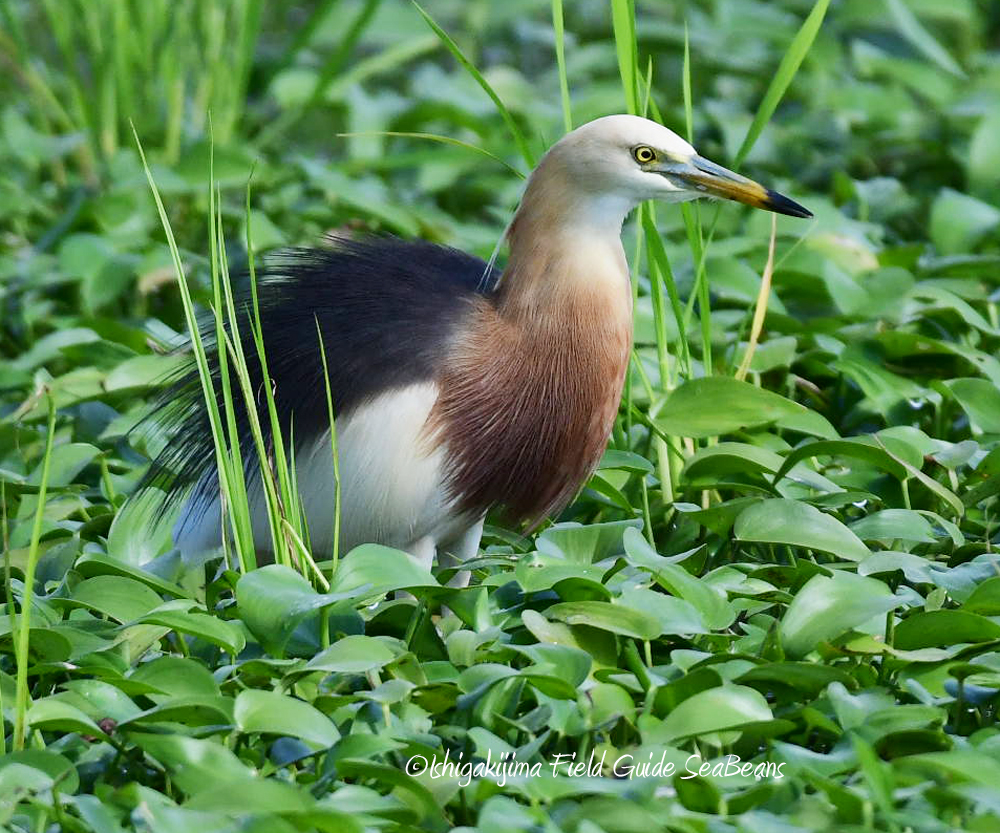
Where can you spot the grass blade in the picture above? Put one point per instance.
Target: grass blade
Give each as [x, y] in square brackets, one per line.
[560, 33]
[922, 40]
[760, 310]
[21, 695]
[789, 66]
[519, 138]
[434, 137]
[623, 23]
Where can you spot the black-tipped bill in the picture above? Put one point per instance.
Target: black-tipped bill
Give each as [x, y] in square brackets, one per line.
[703, 175]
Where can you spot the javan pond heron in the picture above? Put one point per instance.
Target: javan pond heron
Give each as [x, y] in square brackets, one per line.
[456, 389]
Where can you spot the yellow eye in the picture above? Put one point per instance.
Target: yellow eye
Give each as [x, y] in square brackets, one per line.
[643, 155]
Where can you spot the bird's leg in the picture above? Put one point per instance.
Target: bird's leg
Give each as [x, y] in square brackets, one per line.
[460, 551]
[423, 550]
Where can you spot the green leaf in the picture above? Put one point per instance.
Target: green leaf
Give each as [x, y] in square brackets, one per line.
[717, 710]
[67, 462]
[829, 606]
[195, 765]
[226, 635]
[980, 400]
[51, 714]
[782, 78]
[373, 570]
[959, 221]
[911, 29]
[58, 768]
[793, 522]
[469, 67]
[889, 524]
[711, 606]
[944, 627]
[122, 599]
[194, 710]
[985, 599]
[584, 543]
[963, 764]
[354, 654]
[716, 405]
[174, 677]
[274, 601]
[607, 616]
[269, 712]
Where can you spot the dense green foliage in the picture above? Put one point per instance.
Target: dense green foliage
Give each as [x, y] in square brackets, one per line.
[796, 567]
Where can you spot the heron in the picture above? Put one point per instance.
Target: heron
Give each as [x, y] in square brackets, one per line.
[458, 388]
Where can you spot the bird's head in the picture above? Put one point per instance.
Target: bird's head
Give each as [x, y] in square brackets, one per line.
[614, 163]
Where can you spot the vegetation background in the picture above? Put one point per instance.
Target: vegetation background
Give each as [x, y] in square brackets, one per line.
[788, 553]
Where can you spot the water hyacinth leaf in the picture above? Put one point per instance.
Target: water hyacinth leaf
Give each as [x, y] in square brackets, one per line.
[67, 462]
[174, 676]
[91, 564]
[782, 521]
[607, 616]
[862, 448]
[728, 457]
[625, 461]
[138, 534]
[904, 524]
[51, 714]
[609, 702]
[942, 298]
[140, 372]
[984, 151]
[959, 222]
[194, 710]
[58, 768]
[965, 764]
[251, 795]
[599, 644]
[944, 627]
[100, 699]
[122, 599]
[584, 544]
[354, 654]
[194, 764]
[711, 606]
[734, 458]
[807, 677]
[985, 599]
[716, 405]
[719, 517]
[226, 635]
[275, 600]
[979, 399]
[675, 616]
[714, 711]
[18, 779]
[268, 712]
[534, 575]
[913, 30]
[913, 567]
[569, 664]
[829, 606]
[425, 801]
[374, 570]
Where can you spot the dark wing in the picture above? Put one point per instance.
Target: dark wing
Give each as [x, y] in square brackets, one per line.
[386, 308]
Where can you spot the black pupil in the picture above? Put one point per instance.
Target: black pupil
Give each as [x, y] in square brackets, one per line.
[645, 154]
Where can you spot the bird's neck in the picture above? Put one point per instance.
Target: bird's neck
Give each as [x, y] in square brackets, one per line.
[565, 255]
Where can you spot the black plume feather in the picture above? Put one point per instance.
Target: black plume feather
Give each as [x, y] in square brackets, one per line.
[386, 308]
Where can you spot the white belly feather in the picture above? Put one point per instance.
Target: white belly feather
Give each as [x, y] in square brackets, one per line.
[392, 484]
